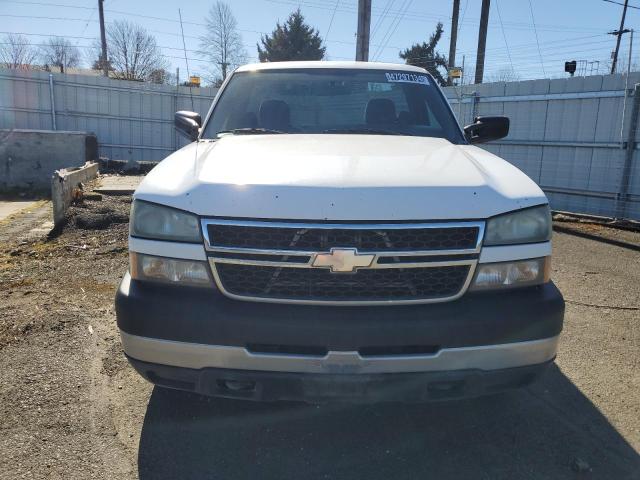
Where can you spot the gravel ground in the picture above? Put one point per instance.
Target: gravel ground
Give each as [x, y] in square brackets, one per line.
[71, 407]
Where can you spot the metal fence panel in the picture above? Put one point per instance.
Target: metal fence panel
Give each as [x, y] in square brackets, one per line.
[132, 120]
[569, 135]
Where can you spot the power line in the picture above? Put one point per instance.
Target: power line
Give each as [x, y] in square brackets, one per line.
[526, 46]
[530, 61]
[186, 60]
[496, 52]
[93, 10]
[519, 67]
[194, 58]
[381, 17]
[186, 22]
[47, 4]
[533, 21]
[378, 52]
[506, 44]
[618, 3]
[119, 12]
[464, 11]
[565, 41]
[326, 35]
[397, 20]
[522, 49]
[159, 31]
[84, 38]
[420, 16]
[618, 33]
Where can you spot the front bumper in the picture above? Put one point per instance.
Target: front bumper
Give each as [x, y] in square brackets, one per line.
[274, 386]
[198, 356]
[205, 316]
[199, 340]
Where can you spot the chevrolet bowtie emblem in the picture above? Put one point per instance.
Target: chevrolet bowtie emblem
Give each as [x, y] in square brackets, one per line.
[343, 260]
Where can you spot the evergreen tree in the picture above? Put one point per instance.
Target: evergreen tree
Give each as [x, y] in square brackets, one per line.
[295, 40]
[424, 55]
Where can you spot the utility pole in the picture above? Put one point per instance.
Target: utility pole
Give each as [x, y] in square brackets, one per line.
[364, 25]
[626, 88]
[461, 96]
[454, 37]
[103, 40]
[619, 33]
[482, 40]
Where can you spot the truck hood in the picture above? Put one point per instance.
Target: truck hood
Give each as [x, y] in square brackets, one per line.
[338, 177]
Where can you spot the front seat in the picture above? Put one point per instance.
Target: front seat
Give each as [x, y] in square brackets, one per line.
[380, 111]
[274, 115]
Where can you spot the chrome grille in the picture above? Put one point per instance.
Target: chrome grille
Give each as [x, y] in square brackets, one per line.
[364, 285]
[274, 261]
[317, 239]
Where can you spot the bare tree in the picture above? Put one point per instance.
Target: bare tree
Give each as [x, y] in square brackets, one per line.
[16, 52]
[133, 53]
[222, 44]
[504, 75]
[162, 77]
[61, 53]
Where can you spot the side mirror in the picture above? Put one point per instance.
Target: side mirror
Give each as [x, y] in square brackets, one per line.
[188, 123]
[486, 129]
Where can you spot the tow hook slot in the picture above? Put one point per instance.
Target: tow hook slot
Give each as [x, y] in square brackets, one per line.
[237, 385]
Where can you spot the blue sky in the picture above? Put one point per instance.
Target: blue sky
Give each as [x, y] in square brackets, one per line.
[566, 29]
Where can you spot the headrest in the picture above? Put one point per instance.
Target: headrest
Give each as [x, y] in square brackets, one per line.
[380, 110]
[274, 114]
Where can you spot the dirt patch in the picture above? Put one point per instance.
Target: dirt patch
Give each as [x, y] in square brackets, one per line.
[59, 347]
[99, 213]
[114, 361]
[622, 233]
[64, 278]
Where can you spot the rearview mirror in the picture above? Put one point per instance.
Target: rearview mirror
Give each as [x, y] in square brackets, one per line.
[188, 123]
[486, 129]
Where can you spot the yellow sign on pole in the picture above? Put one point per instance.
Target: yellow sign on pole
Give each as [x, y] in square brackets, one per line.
[194, 80]
[455, 72]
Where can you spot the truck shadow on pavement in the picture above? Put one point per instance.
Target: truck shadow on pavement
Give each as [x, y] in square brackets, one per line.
[549, 430]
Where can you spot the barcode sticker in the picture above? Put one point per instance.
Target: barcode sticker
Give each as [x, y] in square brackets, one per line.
[404, 77]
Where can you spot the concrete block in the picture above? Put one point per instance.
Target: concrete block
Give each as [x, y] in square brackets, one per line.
[64, 183]
[28, 158]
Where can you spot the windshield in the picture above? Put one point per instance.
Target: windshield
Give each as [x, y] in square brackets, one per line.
[333, 101]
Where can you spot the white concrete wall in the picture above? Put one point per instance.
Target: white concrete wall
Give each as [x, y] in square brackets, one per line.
[63, 184]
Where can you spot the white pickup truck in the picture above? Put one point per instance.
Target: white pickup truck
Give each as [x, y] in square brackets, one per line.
[331, 233]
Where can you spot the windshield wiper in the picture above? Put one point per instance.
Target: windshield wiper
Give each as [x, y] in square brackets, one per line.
[374, 131]
[250, 131]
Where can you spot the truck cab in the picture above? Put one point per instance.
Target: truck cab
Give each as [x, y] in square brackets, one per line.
[331, 233]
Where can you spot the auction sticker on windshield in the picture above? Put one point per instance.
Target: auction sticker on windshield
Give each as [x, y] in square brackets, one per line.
[407, 78]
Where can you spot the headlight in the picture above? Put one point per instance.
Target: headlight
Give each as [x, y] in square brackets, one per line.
[149, 220]
[169, 270]
[521, 273]
[531, 225]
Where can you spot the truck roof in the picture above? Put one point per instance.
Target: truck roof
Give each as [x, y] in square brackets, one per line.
[330, 64]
